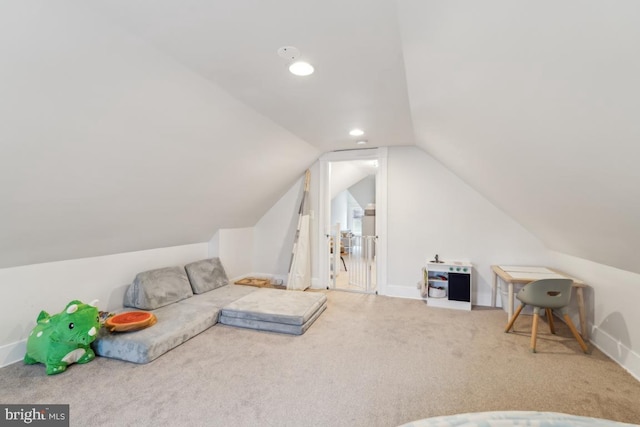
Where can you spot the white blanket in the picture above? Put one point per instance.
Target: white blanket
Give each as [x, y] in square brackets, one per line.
[514, 418]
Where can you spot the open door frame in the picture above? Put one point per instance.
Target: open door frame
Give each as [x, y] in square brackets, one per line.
[324, 214]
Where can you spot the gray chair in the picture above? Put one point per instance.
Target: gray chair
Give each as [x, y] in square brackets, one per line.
[548, 294]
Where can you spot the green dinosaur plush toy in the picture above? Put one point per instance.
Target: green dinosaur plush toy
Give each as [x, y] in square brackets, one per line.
[64, 338]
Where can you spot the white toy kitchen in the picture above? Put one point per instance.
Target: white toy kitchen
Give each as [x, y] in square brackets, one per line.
[448, 284]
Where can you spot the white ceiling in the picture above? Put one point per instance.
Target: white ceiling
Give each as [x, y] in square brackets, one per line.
[136, 124]
[354, 46]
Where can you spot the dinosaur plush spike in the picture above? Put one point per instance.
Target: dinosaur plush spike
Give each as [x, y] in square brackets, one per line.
[64, 338]
[43, 316]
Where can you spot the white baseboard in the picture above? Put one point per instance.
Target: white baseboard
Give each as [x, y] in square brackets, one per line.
[617, 351]
[402, 292]
[410, 292]
[12, 353]
[315, 283]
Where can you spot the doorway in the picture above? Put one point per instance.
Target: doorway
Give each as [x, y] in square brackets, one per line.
[352, 219]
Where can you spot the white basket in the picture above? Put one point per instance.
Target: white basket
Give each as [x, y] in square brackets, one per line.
[437, 293]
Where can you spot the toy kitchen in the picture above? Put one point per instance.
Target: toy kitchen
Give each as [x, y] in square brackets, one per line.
[447, 284]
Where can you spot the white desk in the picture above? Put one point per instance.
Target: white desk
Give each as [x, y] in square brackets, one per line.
[525, 275]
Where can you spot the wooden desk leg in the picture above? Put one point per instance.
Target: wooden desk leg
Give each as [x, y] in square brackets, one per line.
[510, 312]
[583, 315]
[494, 288]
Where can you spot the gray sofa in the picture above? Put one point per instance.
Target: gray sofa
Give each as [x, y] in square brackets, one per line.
[185, 300]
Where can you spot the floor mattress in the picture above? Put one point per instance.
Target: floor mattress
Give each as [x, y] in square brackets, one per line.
[290, 312]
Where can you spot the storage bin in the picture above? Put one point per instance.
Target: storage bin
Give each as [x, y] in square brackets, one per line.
[437, 293]
[504, 298]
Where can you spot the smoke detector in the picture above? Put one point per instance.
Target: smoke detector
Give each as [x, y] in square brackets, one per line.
[299, 68]
[289, 52]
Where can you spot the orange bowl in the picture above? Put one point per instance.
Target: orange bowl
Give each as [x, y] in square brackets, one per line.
[130, 321]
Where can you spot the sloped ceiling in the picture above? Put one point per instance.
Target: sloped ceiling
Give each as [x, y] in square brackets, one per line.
[536, 105]
[347, 174]
[136, 124]
[109, 145]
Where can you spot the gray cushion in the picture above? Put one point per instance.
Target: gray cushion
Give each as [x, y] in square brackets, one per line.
[262, 325]
[156, 288]
[176, 324]
[276, 306]
[220, 297]
[206, 275]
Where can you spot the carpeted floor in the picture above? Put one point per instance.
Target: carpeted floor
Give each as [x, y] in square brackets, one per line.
[367, 361]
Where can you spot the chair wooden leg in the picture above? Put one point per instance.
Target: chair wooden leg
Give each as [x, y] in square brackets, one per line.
[534, 332]
[552, 327]
[513, 318]
[575, 333]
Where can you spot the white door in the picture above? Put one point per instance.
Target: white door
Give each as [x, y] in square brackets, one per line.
[377, 274]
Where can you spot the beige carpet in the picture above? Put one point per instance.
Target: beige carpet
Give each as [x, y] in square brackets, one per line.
[367, 361]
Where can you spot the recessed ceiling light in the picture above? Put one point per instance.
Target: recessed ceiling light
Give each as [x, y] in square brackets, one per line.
[301, 68]
[361, 142]
[356, 132]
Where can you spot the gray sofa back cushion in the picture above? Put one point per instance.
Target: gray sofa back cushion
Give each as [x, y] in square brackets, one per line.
[156, 288]
[206, 275]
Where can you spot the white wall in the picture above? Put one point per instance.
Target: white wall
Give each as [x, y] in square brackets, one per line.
[612, 307]
[340, 210]
[26, 290]
[314, 199]
[432, 211]
[234, 247]
[274, 234]
[213, 246]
